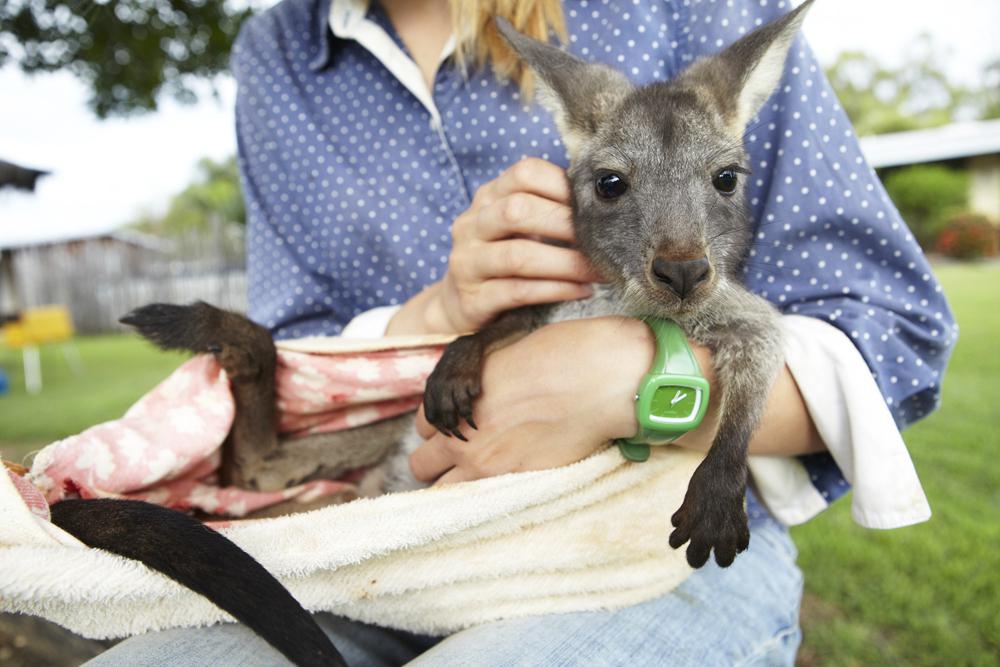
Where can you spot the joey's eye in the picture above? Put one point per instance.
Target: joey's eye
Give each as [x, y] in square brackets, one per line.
[610, 185]
[725, 181]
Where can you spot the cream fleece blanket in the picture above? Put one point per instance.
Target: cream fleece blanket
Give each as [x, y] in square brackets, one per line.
[588, 536]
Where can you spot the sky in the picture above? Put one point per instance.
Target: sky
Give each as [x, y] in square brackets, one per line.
[107, 172]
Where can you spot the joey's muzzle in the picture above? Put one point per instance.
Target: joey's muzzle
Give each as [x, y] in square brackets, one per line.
[681, 277]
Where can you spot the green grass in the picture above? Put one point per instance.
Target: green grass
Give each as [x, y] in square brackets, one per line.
[118, 370]
[927, 594]
[924, 595]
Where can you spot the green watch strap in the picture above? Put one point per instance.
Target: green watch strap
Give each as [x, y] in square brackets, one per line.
[674, 355]
[634, 451]
[674, 368]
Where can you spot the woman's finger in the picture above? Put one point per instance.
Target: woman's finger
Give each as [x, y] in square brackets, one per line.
[523, 258]
[424, 428]
[454, 476]
[431, 459]
[502, 294]
[525, 214]
[535, 176]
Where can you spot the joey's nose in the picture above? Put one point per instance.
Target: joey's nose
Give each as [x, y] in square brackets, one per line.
[681, 278]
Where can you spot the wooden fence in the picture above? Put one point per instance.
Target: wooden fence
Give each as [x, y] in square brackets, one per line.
[103, 278]
[115, 298]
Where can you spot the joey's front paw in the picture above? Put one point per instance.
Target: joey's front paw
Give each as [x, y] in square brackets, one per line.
[712, 516]
[452, 389]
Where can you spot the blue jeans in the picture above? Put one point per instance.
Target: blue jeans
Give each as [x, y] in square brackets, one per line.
[746, 614]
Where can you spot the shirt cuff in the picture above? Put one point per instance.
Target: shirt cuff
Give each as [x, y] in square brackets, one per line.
[857, 427]
[371, 323]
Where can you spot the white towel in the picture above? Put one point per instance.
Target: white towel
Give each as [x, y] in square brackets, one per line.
[588, 536]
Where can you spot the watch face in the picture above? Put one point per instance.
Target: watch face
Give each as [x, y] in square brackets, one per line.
[675, 403]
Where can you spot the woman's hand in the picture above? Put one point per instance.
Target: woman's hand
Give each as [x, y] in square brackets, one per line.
[548, 400]
[499, 259]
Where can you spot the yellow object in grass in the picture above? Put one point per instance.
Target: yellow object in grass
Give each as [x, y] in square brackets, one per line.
[37, 326]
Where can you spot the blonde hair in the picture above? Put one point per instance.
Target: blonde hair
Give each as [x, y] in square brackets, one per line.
[478, 42]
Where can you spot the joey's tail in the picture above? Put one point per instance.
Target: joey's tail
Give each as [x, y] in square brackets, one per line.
[207, 563]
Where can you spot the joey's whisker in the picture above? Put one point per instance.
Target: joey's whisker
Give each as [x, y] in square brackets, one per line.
[762, 268]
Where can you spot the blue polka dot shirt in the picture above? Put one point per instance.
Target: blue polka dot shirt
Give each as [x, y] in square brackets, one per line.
[352, 183]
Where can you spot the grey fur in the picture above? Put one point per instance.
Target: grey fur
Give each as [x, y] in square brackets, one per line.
[326, 455]
[667, 140]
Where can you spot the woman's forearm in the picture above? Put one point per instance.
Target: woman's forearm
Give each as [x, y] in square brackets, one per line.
[574, 382]
[786, 429]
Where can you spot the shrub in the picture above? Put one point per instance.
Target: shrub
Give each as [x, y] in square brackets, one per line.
[969, 236]
[927, 195]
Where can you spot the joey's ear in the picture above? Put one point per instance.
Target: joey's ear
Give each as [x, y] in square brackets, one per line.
[743, 76]
[579, 94]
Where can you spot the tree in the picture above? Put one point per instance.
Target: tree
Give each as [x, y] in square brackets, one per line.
[916, 95]
[990, 94]
[927, 195]
[213, 198]
[127, 51]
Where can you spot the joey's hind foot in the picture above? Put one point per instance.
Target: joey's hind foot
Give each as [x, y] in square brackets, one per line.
[171, 326]
[244, 349]
[712, 516]
[453, 387]
[247, 354]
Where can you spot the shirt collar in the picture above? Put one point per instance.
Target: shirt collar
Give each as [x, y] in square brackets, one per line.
[321, 33]
[345, 17]
[349, 20]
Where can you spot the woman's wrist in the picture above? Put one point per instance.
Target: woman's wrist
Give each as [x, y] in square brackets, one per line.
[636, 345]
[621, 350]
[786, 429]
[422, 314]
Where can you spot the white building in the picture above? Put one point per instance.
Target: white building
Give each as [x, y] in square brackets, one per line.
[975, 144]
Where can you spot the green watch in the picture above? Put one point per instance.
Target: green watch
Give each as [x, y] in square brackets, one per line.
[672, 397]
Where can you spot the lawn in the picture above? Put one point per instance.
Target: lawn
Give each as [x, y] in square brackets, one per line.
[924, 595]
[117, 370]
[928, 594]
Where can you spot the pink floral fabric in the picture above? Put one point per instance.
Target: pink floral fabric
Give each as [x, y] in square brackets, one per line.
[166, 448]
[30, 494]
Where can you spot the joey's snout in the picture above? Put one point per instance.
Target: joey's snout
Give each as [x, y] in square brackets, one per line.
[681, 277]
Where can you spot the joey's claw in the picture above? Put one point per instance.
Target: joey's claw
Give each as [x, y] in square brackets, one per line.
[724, 555]
[443, 416]
[451, 391]
[711, 518]
[697, 554]
[466, 413]
[678, 537]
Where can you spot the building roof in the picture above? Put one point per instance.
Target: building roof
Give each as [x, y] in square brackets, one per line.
[950, 142]
[18, 177]
[126, 236]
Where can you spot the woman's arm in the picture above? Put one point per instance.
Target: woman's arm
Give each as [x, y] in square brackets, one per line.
[573, 383]
[829, 242]
[829, 245]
